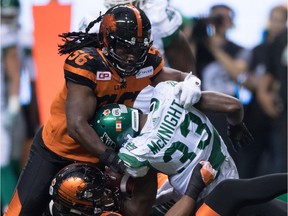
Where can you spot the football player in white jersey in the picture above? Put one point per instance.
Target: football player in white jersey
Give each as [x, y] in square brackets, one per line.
[173, 140]
[166, 33]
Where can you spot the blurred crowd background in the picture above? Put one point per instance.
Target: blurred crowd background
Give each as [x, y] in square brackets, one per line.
[240, 48]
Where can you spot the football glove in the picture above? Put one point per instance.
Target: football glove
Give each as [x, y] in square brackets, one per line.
[112, 160]
[188, 91]
[203, 174]
[240, 136]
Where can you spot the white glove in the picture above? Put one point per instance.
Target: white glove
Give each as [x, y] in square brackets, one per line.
[189, 90]
[12, 111]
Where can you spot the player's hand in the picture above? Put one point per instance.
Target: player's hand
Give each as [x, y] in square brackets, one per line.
[188, 91]
[240, 136]
[202, 175]
[113, 179]
[208, 173]
[119, 181]
[112, 160]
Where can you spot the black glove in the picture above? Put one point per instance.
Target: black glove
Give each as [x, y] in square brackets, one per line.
[111, 159]
[240, 136]
[196, 184]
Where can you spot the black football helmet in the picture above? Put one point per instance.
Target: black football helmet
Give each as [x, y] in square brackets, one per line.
[125, 38]
[80, 189]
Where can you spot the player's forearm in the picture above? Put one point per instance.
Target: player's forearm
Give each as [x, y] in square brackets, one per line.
[80, 108]
[182, 207]
[221, 103]
[85, 135]
[180, 55]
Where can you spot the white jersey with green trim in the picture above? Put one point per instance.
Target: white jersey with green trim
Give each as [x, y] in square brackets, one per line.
[165, 20]
[175, 140]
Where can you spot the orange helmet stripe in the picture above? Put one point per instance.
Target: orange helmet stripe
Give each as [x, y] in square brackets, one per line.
[138, 19]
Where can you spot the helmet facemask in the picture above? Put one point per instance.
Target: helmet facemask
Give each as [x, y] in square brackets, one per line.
[137, 51]
[80, 189]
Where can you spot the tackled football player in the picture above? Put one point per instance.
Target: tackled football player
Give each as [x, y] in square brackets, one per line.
[172, 139]
[117, 65]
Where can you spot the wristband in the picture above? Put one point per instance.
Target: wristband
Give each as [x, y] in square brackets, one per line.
[195, 190]
[196, 184]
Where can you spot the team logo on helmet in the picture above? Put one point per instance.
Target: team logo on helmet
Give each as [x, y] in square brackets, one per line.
[106, 112]
[118, 126]
[108, 141]
[116, 112]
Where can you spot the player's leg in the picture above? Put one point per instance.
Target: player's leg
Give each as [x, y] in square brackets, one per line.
[143, 195]
[231, 195]
[273, 207]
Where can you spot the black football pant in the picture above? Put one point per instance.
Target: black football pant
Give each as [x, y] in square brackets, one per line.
[255, 194]
[31, 196]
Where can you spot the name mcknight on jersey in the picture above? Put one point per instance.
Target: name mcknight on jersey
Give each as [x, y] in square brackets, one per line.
[167, 127]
